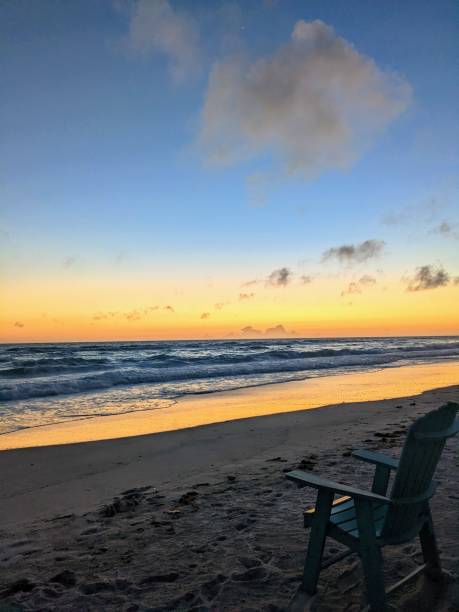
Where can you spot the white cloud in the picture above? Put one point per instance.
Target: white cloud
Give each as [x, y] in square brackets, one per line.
[313, 105]
[157, 27]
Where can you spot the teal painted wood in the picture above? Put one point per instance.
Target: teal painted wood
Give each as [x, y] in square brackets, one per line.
[313, 561]
[371, 556]
[365, 521]
[417, 465]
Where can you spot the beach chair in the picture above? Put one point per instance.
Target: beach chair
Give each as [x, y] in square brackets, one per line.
[366, 521]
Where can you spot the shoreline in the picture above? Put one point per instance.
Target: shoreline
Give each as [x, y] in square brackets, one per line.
[38, 480]
[191, 411]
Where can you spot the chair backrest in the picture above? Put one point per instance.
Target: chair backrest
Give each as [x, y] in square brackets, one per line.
[413, 481]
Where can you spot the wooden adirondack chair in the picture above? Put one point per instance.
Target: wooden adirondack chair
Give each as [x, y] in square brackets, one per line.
[365, 521]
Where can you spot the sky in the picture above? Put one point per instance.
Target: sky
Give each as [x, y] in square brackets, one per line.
[212, 169]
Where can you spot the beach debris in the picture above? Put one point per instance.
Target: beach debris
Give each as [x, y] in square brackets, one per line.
[67, 578]
[128, 500]
[307, 463]
[23, 585]
[276, 459]
[168, 577]
[60, 517]
[254, 573]
[90, 588]
[212, 588]
[136, 491]
[231, 478]
[188, 498]
[249, 562]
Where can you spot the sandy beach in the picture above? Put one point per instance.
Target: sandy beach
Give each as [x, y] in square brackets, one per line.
[203, 518]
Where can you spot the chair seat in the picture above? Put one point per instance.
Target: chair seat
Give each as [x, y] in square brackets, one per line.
[343, 516]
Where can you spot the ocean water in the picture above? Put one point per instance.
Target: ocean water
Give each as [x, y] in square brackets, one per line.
[49, 383]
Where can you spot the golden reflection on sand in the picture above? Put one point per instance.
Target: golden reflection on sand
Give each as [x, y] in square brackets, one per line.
[192, 411]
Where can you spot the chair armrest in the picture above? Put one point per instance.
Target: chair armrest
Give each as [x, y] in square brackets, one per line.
[376, 458]
[306, 479]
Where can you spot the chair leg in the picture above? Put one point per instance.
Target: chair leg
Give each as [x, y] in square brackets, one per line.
[370, 553]
[430, 549]
[317, 541]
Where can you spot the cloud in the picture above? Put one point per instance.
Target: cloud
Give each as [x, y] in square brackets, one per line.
[18, 324]
[277, 331]
[157, 27]
[121, 256]
[101, 316]
[246, 296]
[250, 283]
[358, 286]
[205, 315]
[279, 278]
[132, 315]
[69, 262]
[169, 308]
[219, 305]
[456, 280]
[355, 253]
[250, 331]
[428, 277]
[257, 185]
[446, 229]
[305, 279]
[315, 104]
[425, 211]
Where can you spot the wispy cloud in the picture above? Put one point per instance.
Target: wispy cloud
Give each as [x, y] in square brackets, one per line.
[157, 27]
[424, 211]
[315, 103]
[355, 253]
[248, 330]
[277, 331]
[103, 316]
[359, 285]
[133, 315]
[136, 314]
[428, 277]
[18, 324]
[121, 256]
[279, 278]
[246, 296]
[447, 230]
[205, 315]
[305, 279]
[69, 262]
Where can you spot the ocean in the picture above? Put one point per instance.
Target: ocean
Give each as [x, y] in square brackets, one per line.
[42, 384]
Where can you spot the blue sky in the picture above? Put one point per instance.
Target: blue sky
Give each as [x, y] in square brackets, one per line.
[101, 160]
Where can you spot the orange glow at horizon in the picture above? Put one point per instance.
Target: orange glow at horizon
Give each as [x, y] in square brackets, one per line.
[95, 310]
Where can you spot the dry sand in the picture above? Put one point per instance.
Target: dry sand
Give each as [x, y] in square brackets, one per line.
[204, 518]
